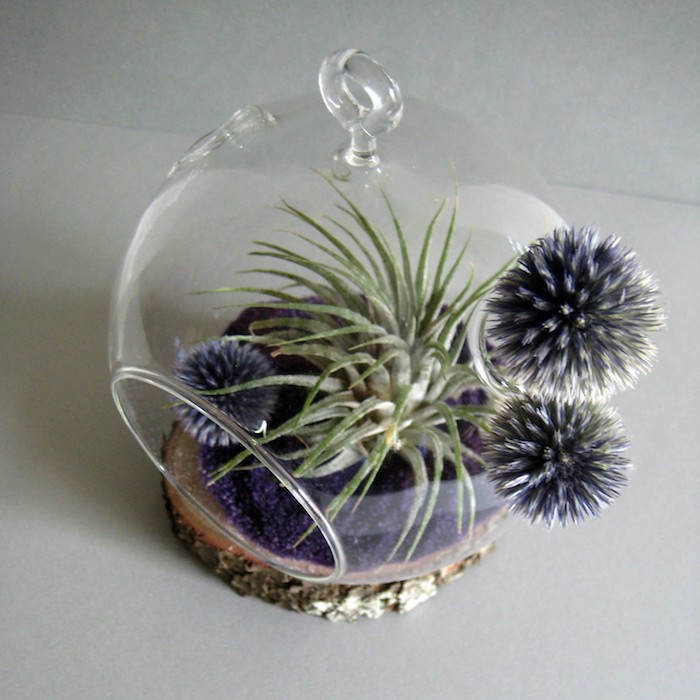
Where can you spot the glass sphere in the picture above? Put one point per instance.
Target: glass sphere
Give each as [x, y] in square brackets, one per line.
[236, 229]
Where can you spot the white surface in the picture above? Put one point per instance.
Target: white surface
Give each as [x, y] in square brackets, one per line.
[101, 601]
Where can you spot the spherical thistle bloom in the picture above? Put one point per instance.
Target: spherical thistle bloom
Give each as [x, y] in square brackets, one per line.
[554, 461]
[223, 363]
[573, 317]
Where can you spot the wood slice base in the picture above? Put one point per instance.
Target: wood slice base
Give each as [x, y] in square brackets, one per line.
[249, 577]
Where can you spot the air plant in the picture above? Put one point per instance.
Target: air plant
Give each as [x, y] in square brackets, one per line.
[573, 316]
[385, 353]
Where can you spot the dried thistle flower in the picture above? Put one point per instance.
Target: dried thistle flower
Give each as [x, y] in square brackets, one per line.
[573, 317]
[211, 368]
[556, 461]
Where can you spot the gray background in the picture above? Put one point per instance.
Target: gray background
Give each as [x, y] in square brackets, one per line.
[597, 94]
[99, 600]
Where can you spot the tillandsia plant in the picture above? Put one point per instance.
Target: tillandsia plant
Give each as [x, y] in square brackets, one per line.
[371, 350]
[378, 350]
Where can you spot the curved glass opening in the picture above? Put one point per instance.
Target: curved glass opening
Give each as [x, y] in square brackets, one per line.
[145, 400]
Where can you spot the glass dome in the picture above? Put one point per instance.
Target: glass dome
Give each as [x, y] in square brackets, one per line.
[281, 345]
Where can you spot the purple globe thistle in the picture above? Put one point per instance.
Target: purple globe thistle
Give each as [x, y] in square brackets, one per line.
[219, 364]
[556, 461]
[573, 317]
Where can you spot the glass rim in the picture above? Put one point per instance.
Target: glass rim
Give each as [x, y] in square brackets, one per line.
[182, 393]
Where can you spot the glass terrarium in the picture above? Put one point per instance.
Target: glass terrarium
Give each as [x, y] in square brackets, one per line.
[297, 335]
[326, 266]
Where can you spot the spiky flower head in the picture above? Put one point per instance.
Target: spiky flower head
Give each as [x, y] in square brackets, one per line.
[212, 367]
[573, 317]
[552, 460]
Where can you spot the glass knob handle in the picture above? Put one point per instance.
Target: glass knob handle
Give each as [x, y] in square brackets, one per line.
[364, 98]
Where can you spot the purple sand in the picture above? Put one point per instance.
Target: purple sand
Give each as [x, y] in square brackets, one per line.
[267, 513]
